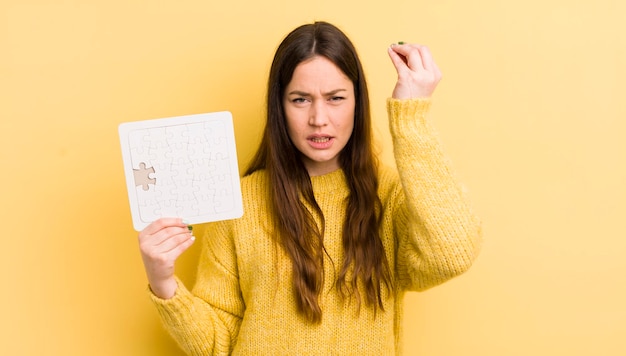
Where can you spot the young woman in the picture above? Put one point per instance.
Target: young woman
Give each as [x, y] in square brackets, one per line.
[329, 241]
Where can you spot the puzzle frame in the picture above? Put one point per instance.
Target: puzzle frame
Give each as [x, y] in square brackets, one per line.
[184, 166]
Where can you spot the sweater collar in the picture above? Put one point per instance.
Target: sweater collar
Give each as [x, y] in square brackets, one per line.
[332, 181]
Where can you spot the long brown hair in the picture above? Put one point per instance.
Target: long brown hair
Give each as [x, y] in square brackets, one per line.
[291, 191]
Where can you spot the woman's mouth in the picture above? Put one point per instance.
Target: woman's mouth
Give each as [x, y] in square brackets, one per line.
[320, 139]
[320, 142]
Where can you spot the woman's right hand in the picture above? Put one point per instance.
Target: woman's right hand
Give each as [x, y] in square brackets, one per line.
[161, 243]
[418, 74]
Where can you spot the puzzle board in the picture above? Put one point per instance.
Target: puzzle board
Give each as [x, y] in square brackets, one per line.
[182, 166]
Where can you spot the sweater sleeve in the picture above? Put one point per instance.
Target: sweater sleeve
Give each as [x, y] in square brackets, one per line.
[438, 236]
[206, 320]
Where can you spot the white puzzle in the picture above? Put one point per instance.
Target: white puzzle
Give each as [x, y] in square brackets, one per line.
[182, 166]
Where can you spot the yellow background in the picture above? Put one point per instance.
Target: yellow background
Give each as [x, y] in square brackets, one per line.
[531, 110]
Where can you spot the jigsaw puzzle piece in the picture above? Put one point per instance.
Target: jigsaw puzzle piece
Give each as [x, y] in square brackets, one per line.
[144, 176]
[157, 137]
[148, 203]
[138, 151]
[217, 139]
[196, 133]
[177, 137]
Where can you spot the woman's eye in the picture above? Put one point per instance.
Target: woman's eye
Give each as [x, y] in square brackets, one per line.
[298, 100]
[336, 98]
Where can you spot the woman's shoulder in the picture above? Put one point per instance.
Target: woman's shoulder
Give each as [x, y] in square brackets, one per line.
[254, 186]
[254, 195]
[254, 179]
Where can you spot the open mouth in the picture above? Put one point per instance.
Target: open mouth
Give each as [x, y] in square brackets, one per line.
[320, 142]
[320, 139]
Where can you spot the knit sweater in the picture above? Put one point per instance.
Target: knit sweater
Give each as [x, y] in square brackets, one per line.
[243, 300]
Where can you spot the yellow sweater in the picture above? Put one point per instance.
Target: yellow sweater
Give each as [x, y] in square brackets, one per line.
[242, 302]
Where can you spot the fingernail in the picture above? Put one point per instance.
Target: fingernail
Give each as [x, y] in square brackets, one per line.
[193, 238]
[400, 42]
[190, 227]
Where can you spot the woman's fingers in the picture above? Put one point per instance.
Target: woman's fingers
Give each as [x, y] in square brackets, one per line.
[172, 242]
[158, 231]
[162, 223]
[161, 236]
[426, 58]
[162, 242]
[398, 60]
[410, 54]
[415, 57]
[418, 74]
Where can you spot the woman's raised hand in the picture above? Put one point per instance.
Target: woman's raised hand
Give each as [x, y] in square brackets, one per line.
[161, 243]
[418, 74]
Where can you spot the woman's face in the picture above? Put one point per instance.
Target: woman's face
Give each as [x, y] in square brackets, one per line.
[319, 105]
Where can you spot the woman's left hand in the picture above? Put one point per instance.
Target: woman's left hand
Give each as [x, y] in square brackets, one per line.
[418, 74]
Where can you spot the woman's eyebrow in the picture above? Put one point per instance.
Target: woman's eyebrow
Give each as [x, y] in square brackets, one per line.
[302, 93]
[298, 92]
[334, 92]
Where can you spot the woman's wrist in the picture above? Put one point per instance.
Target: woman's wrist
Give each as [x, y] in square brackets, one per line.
[164, 289]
